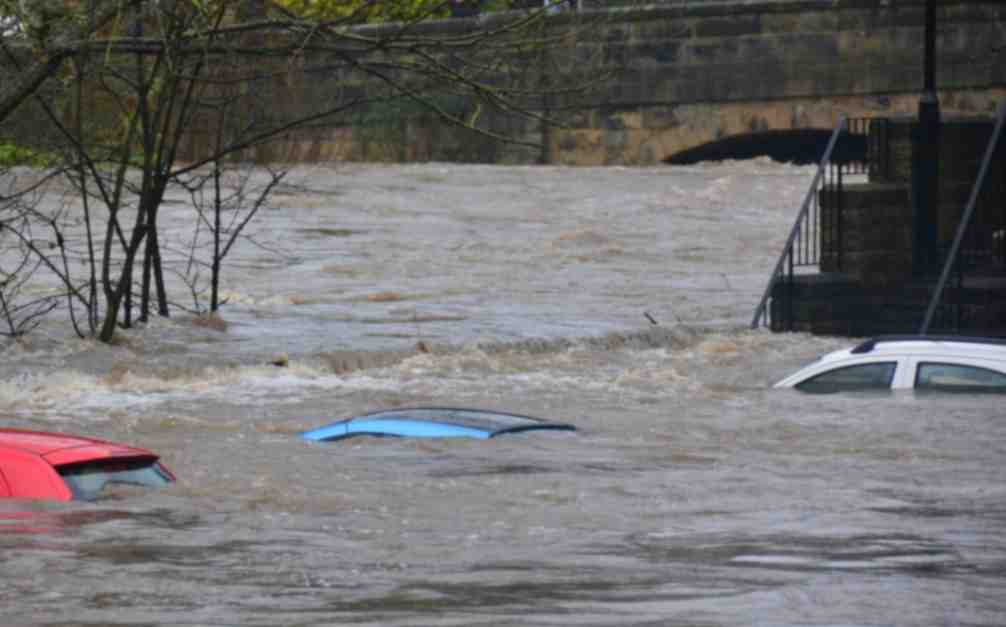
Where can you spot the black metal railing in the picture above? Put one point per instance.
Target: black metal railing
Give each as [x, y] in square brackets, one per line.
[978, 248]
[816, 236]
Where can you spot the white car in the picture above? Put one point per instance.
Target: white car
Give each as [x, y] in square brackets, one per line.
[947, 363]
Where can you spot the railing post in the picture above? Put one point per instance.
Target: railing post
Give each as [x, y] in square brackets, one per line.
[790, 282]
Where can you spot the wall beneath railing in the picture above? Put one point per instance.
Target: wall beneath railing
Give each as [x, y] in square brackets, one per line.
[695, 72]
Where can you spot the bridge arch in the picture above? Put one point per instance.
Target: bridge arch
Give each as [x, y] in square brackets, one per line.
[799, 146]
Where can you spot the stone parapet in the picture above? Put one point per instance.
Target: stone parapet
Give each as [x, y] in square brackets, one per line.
[672, 77]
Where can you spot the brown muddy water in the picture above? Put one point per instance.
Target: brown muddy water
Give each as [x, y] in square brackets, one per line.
[692, 493]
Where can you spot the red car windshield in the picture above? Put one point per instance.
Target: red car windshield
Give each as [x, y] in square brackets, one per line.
[89, 481]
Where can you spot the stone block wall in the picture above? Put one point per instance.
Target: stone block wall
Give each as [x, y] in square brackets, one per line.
[867, 233]
[838, 305]
[869, 236]
[963, 144]
[773, 65]
[679, 75]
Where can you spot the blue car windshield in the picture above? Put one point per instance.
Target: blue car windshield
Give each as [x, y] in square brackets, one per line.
[88, 481]
[433, 422]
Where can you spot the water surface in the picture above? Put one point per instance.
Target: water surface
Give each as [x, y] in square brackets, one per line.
[615, 299]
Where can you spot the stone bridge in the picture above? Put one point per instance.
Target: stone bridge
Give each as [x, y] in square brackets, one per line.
[703, 76]
[698, 79]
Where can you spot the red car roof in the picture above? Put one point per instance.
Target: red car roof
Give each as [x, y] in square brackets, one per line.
[59, 449]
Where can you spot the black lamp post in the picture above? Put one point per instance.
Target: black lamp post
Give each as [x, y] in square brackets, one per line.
[926, 160]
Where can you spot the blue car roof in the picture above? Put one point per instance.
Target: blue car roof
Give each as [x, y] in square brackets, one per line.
[433, 422]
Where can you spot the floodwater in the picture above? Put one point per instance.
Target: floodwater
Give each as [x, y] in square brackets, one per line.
[615, 299]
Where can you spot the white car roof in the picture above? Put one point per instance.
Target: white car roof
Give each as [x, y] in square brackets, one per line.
[948, 346]
[975, 350]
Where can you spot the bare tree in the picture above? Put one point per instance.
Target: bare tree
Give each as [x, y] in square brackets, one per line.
[26, 251]
[216, 81]
[226, 199]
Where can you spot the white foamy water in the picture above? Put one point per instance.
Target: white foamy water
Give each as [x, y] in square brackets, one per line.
[691, 494]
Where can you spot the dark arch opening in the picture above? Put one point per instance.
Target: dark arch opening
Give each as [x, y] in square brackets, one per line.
[800, 146]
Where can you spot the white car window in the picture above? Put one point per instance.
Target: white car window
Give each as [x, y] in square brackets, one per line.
[937, 376]
[875, 375]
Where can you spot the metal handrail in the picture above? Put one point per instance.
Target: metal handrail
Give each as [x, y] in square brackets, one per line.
[787, 250]
[965, 222]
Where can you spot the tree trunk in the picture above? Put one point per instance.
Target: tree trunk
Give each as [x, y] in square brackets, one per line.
[215, 271]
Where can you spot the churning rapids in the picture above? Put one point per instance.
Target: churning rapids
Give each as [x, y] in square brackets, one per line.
[692, 494]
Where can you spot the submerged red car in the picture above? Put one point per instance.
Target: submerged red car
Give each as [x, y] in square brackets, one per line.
[54, 466]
